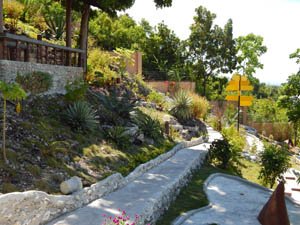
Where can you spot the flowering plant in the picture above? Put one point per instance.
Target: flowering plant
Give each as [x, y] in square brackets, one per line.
[122, 219]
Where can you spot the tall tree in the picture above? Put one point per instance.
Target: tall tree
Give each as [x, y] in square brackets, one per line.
[162, 50]
[249, 49]
[211, 48]
[109, 6]
[119, 32]
[291, 101]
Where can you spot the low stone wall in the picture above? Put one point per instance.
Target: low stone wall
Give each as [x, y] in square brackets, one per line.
[35, 207]
[61, 74]
[158, 205]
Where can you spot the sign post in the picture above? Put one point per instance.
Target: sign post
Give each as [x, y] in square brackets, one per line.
[239, 83]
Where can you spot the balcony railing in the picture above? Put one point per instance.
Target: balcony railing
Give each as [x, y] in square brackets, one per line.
[20, 48]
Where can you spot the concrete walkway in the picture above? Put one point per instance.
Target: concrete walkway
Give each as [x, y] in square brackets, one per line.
[144, 195]
[234, 201]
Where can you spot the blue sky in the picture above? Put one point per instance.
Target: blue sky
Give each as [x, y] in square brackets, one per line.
[278, 21]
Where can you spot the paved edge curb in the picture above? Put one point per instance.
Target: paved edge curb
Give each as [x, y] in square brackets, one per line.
[182, 218]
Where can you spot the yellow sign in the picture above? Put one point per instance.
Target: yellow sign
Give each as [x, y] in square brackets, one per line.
[245, 103]
[246, 98]
[245, 82]
[232, 88]
[232, 98]
[246, 88]
[234, 82]
[244, 78]
[238, 77]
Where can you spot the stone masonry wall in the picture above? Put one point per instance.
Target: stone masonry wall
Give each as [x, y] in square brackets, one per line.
[61, 74]
[35, 207]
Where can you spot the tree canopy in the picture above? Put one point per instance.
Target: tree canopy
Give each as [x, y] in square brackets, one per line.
[211, 48]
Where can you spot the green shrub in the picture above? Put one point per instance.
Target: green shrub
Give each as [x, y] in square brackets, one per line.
[151, 128]
[155, 97]
[224, 155]
[8, 187]
[35, 82]
[234, 137]
[200, 106]
[118, 136]
[80, 116]
[100, 71]
[121, 105]
[12, 11]
[75, 90]
[35, 170]
[274, 161]
[181, 105]
[230, 115]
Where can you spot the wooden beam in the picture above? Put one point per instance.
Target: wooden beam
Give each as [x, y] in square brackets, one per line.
[1, 16]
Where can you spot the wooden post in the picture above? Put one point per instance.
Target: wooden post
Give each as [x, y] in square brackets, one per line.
[27, 52]
[4, 48]
[54, 55]
[68, 30]
[17, 51]
[62, 57]
[1, 16]
[46, 55]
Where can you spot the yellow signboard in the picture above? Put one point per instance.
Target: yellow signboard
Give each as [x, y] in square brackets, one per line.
[246, 98]
[232, 98]
[245, 82]
[245, 103]
[234, 82]
[244, 78]
[246, 88]
[232, 88]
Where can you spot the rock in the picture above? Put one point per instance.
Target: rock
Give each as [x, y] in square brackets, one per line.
[132, 131]
[177, 127]
[141, 137]
[149, 141]
[71, 185]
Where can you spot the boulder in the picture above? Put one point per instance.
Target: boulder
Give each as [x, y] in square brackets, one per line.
[72, 185]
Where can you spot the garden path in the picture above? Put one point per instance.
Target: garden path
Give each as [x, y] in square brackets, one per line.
[138, 196]
[234, 201]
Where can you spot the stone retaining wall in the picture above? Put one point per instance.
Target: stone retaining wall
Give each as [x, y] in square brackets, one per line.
[35, 207]
[60, 74]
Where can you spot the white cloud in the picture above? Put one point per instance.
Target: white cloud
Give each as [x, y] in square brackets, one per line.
[276, 20]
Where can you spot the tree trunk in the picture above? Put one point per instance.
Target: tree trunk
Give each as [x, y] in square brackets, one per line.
[69, 23]
[84, 26]
[84, 30]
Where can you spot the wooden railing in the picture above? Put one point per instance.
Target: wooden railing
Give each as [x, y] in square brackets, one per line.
[20, 48]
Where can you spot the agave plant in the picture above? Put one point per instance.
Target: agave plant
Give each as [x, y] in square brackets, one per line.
[122, 106]
[151, 128]
[181, 105]
[80, 116]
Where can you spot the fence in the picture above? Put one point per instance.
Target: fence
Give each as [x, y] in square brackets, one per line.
[18, 48]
